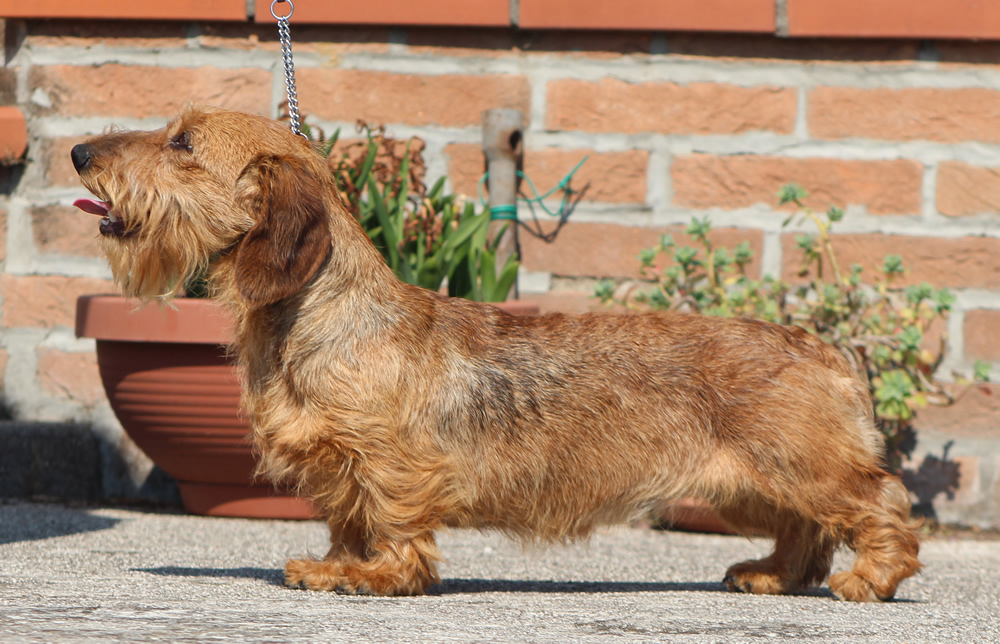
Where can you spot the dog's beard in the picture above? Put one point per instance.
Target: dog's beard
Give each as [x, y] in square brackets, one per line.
[147, 271]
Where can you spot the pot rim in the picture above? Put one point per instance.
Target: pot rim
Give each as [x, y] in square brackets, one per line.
[188, 320]
[184, 320]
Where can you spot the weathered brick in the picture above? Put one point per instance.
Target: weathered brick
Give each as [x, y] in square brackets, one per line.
[612, 177]
[982, 334]
[70, 376]
[933, 114]
[4, 357]
[883, 19]
[53, 156]
[505, 42]
[3, 234]
[8, 86]
[882, 187]
[611, 105]
[65, 230]
[693, 15]
[964, 262]
[964, 189]
[137, 34]
[449, 100]
[330, 41]
[45, 301]
[610, 250]
[563, 302]
[813, 50]
[148, 91]
[976, 413]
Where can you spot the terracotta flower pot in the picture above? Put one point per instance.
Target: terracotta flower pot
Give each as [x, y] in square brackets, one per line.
[174, 390]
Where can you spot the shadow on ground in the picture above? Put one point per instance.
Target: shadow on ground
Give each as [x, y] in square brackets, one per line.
[31, 522]
[476, 586]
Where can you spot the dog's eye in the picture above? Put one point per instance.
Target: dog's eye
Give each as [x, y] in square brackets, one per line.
[181, 141]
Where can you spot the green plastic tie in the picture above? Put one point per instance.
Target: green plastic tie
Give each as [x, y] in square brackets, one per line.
[504, 213]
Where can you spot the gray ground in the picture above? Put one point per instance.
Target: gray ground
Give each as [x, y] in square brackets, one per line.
[74, 574]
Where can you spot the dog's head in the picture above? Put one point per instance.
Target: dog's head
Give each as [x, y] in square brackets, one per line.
[211, 182]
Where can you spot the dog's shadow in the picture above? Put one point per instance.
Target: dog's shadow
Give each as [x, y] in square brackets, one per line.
[275, 577]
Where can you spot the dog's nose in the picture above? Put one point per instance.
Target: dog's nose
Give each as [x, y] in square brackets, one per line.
[81, 156]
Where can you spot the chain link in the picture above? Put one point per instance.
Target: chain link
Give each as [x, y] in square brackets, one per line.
[285, 37]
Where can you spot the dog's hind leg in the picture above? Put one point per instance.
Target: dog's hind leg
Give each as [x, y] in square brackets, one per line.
[883, 536]
[801, 558]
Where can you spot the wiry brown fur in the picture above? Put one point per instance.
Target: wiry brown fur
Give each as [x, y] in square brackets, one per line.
[400, 411]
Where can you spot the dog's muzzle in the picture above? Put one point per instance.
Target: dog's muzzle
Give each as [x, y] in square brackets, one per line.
[111, 224]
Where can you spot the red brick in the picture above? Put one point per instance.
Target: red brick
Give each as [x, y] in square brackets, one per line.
[480, 13]
[730, 182]
[53, 156]
[563, 301]
[894, 18]
[384, 98]
[698, 15]
[964, 262]
[65, 230]
[610, 250]
[982, 334]
[133, 34]
[161, 10]
[933, 114]
[71, 376]
[493, 43]
[13, 133]
[3, 234]
[611, 105]
[45, 301]
[975, 413]
[964, 189]
[612, 177]
[744, 47]
[141, 92]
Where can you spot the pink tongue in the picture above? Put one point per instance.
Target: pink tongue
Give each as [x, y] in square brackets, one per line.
[93, 206]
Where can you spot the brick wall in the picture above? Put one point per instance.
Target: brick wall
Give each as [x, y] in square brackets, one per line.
[905, 134]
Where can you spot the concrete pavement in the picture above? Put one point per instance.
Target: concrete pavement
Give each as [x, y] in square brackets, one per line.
[119, 575]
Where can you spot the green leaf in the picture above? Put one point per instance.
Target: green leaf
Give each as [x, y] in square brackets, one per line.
[893, 265]
[388, 227]
[743, 254]
[981, 371]
[505, 280]
[791, 193]
[687, 256]
[699, 228]
[943, 300]
[910, 338]
[647, 256]
[605, 290]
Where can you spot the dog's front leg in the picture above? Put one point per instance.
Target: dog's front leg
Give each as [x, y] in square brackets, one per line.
[382, 514]
[386, 567]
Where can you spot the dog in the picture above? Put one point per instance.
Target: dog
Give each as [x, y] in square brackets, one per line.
[399, 411]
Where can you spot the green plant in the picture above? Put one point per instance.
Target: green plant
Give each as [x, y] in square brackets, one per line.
[427, 236]
[881, 327]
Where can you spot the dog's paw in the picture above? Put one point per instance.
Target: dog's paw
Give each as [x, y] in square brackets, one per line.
[850, 587]
[309, 574]
[753, 577]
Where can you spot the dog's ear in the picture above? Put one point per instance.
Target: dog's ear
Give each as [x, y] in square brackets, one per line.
[291, 238]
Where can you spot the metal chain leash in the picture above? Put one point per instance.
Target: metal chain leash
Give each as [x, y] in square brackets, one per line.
[286, 57]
